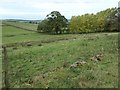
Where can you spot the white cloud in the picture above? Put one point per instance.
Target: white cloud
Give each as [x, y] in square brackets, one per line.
[40, 8]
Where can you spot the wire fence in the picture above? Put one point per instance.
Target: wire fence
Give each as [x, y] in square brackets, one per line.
[5, 67]
[17, 69]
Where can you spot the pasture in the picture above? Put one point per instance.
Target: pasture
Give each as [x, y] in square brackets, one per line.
[61, 61]
[15, 35]
[23, 25]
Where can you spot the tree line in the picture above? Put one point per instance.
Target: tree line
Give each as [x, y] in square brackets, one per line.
[103, 21]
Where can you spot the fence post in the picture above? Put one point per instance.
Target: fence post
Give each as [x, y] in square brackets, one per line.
[5, 67]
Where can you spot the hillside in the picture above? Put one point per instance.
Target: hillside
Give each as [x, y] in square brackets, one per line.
[21, 25]
[60, 61]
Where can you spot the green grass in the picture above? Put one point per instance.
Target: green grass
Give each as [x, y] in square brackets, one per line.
[42, 66]
[15, 35]
[23, 25]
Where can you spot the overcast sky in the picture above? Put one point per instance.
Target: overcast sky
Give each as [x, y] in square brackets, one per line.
[38, 9]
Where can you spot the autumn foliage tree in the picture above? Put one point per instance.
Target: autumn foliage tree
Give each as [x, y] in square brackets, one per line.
[102, 21]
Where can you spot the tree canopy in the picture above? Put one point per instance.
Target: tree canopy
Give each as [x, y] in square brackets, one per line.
[103, 21]
[54, 22]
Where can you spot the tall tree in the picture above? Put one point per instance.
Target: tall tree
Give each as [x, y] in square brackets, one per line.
[57, 21]
[102, 21]
[54, 23]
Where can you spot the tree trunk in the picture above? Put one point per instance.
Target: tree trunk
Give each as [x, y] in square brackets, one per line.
[60, 31]
[56, 29]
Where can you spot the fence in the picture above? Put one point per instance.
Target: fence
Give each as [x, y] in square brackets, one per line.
[5, 62]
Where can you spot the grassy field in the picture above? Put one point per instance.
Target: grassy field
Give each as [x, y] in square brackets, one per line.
[23, 25]
[62, 61]
[15, 35]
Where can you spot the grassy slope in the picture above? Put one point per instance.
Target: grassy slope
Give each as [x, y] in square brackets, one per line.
[22, 25]
[42, 66]
[16, 35]
[12, 34]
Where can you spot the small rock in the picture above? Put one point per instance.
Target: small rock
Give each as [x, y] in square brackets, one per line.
[73, 66]
[93, 58]
[77, 63]
[97, 57]
[80, 63]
